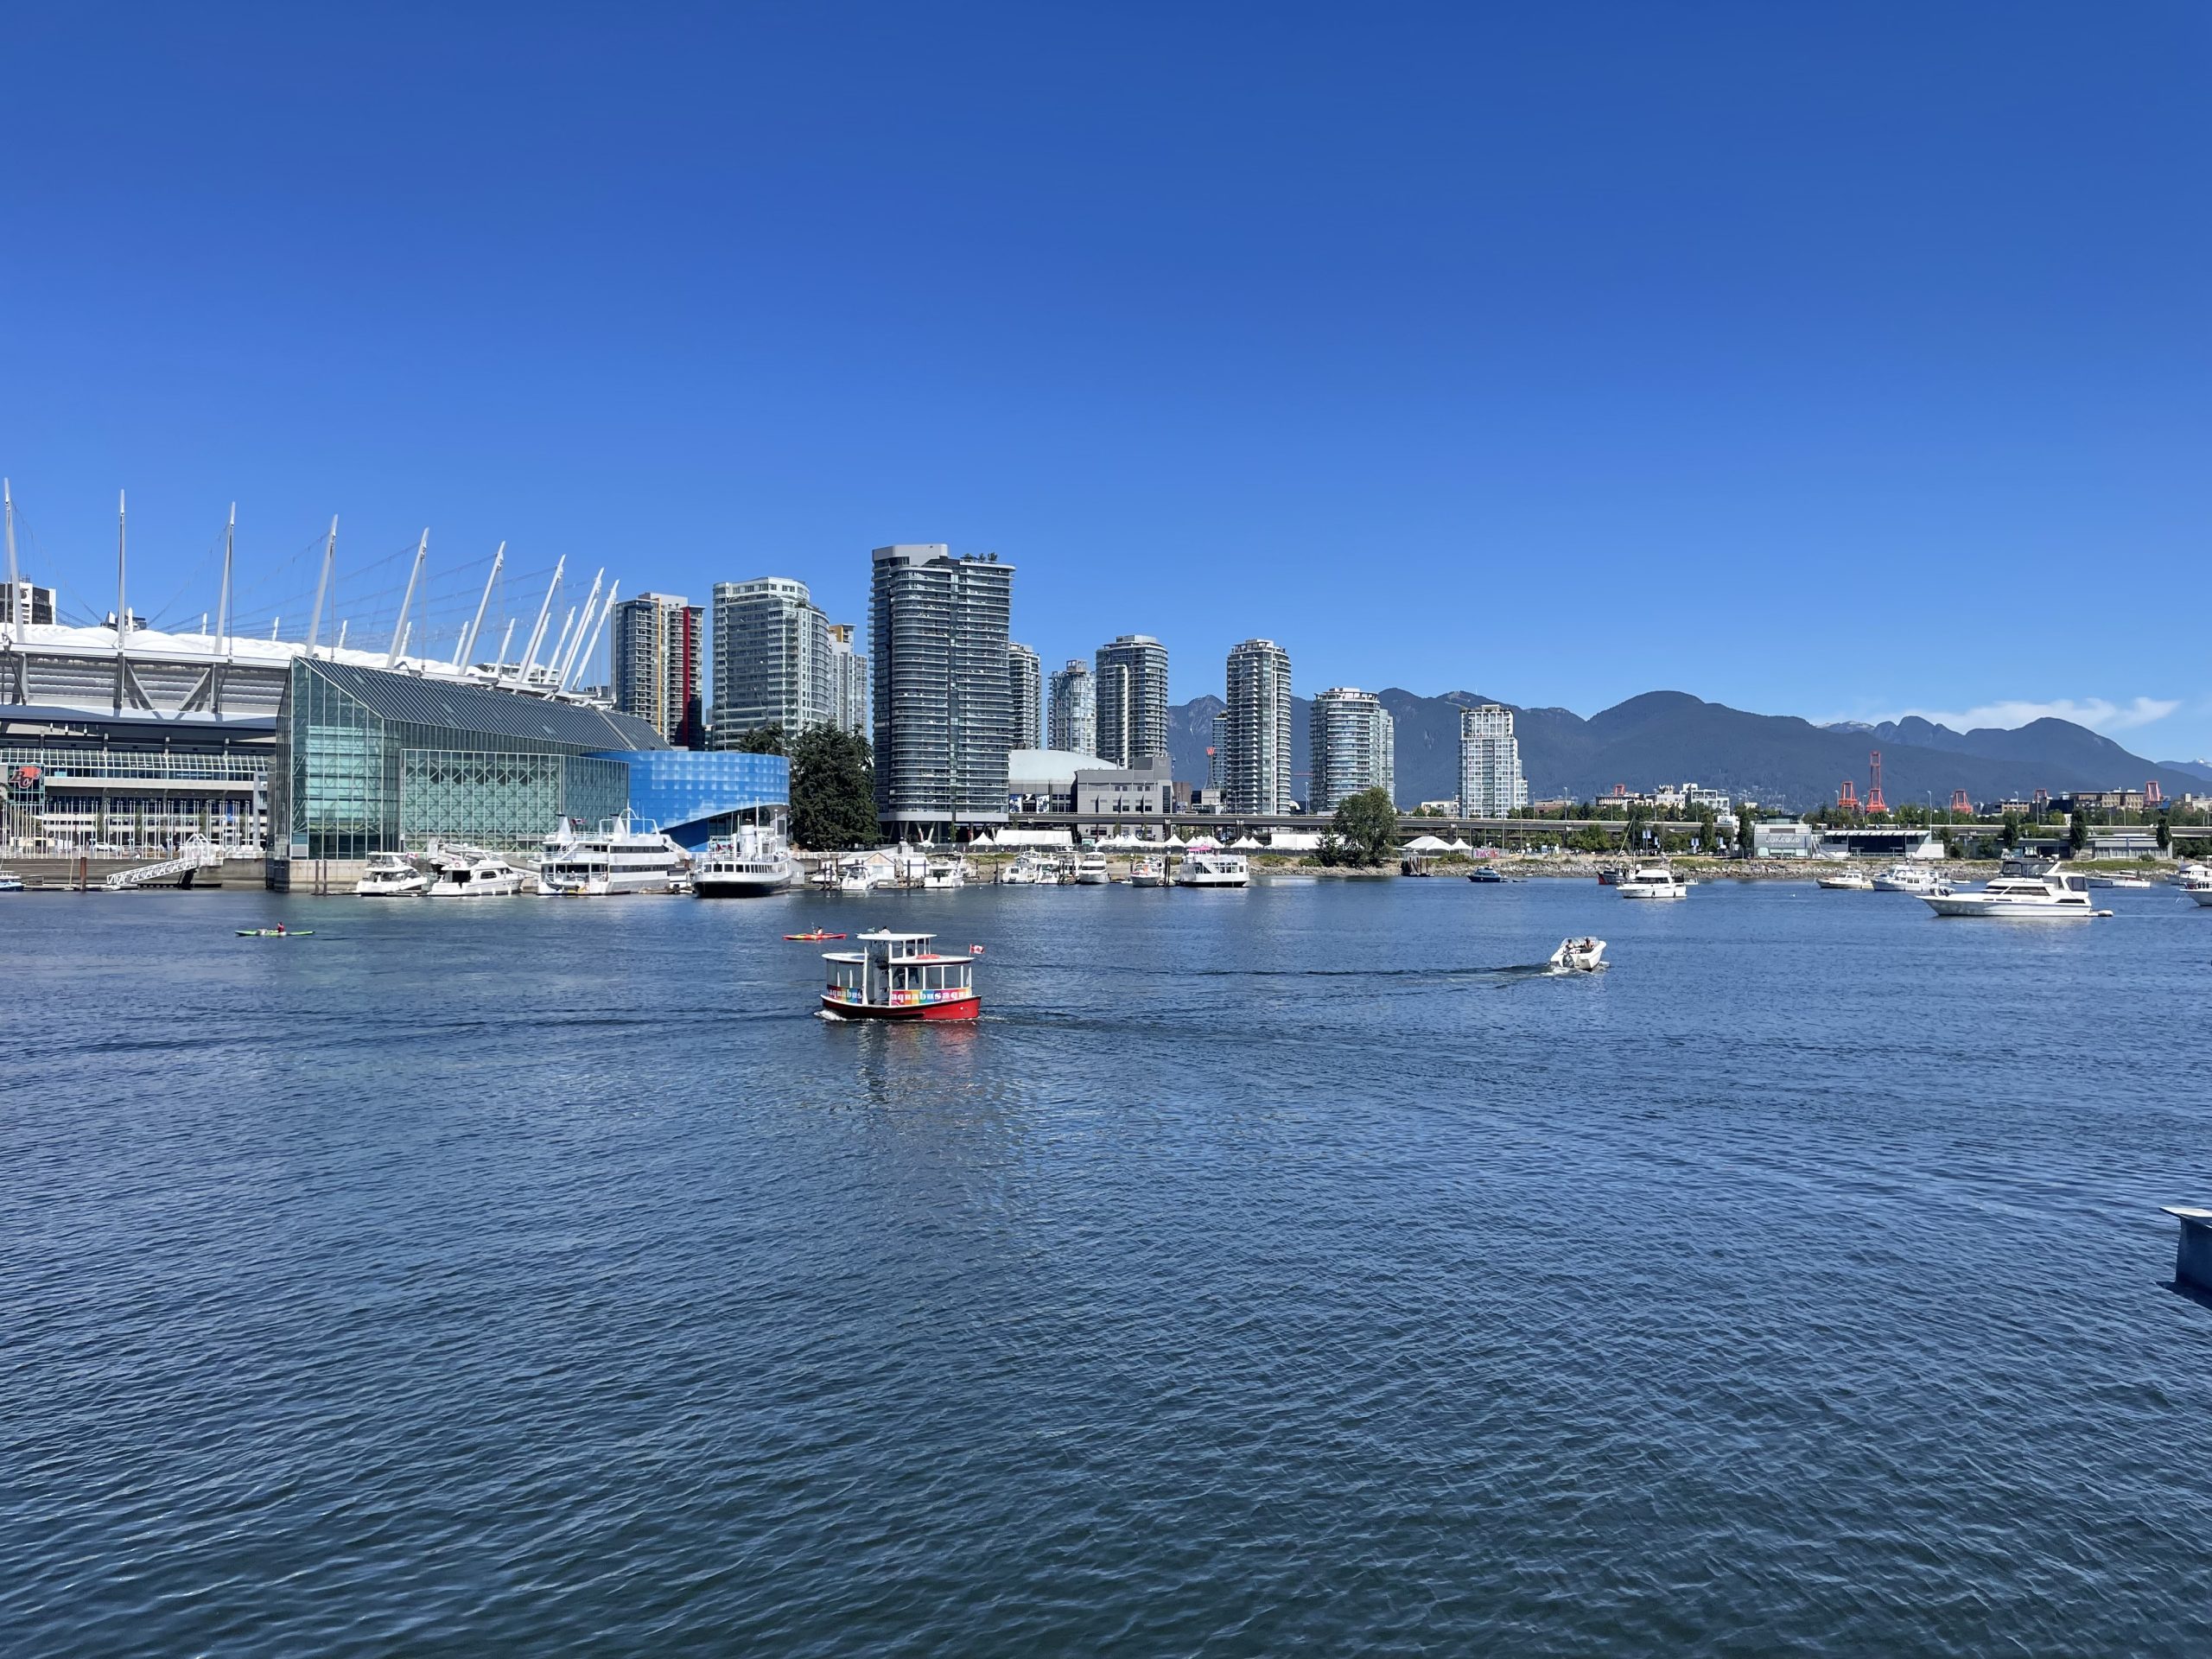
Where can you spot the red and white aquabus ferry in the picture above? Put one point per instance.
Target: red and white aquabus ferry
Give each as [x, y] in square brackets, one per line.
[899, 976]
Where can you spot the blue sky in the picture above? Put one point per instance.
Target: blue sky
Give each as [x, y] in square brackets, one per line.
[1837, 361]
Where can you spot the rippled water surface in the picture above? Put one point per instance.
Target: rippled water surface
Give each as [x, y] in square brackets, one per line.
[1268, 1272]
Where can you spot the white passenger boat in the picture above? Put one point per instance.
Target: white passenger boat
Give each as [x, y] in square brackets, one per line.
[754, 861]
[1090, 870]
[472, 872]
[624, 855]
[1847, 881]
[2058, 895]
[1653, 881]
[944, 871]
[1149, 870]
[1213, 870]
[1578, 956]
[391, 876]
[1909, 878]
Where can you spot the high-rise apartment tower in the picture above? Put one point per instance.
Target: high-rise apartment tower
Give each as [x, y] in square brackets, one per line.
[1490, 784]
[1075, 709]
[944, 699]
[1025, 681]
[1353, 741]
[1132, 700]
[772, 663]
[1255, 772]
[655, 655]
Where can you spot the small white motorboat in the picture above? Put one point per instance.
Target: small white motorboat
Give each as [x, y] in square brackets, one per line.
[1847, 882]
[2141, 881]
[1653, 881]
[1149, 870]
[1578, 956]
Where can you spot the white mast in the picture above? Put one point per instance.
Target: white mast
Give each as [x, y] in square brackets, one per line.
[399, 628]
[537, 634]
[323, 584]
[122, 610]
[223, 601]
[341, 646]
[507, 639]
[468, 640]
[583, 658]
[591, 604]
[14, 609]
[553, 656]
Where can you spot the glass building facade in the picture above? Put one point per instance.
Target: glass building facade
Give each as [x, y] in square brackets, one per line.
[693, 795]
[370, 762]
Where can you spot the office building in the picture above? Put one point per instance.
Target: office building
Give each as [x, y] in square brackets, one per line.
[774, 661]
[657, 665]
[1255, 771]
[1025, 677]
[34, 604]
[1490, 784]
[1353, 740]
[848, 681]
[1125, 797]
[1132, 700]
[944, 700]
[1075, 709]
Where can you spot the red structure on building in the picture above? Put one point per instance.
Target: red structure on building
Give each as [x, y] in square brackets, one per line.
[1846, 797]
[1960, 804]
[2152, 795]
[1874, 801]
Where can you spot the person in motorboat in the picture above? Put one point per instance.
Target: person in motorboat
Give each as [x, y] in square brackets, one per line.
[1584, 955]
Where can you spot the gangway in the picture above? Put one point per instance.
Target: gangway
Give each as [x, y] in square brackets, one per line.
[197, 854]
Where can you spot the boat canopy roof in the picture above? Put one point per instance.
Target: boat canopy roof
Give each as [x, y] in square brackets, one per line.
[885, 935]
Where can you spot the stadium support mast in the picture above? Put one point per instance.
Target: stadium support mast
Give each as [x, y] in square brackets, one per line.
[467, 641]
[322, 585]
[406, 601]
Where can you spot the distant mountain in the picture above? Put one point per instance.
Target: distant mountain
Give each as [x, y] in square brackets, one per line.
[2200, 770]
[1779, 759]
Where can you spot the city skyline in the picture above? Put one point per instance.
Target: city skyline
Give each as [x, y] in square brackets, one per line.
[1927, 317]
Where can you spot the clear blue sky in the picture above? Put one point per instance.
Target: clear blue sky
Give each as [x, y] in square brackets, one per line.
[1830, 360]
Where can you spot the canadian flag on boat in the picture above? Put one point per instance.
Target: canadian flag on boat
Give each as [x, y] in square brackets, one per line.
[975, 949]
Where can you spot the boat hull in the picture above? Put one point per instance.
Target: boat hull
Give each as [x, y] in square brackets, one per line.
[2202, 895]
[1966, 904]
[965, 1008]
[1627, 892]
[738, 886]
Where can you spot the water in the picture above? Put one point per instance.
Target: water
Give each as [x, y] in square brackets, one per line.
[1266, 1272]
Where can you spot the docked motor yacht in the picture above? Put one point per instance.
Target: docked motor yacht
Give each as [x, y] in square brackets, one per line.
[753, 861]
[1213, 870]
[2190, 873]
[944, 872]
[2141, 881]
[10, 882]
[1909, 878]
[625, 855]
[1847, 881]
[1149, 870]
[1090, 870]
[1024, 872]
[472, 872]
[2058, 895]
[391, 876]
[1653, 881]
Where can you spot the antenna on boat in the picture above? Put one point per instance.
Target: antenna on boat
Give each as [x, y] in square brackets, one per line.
[538, 632]
[581, 663]
[322, 585]
[467, 642]
[399, 628]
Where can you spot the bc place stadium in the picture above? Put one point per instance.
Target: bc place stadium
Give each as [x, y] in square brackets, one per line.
[302, 756]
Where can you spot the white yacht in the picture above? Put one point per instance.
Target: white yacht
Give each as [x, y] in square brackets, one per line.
[2190, 874]
[2056, 895]
[1090, 870]
[625, 855]
[1653, 881]
[2201, 892]
[862, 875]
[2141, 881]
[391, 876]
[944, 872]
[1213, 870]
[1024, 872]
[1917, 879]
[472, 872]
[1149, 870]
[1847, 881]
[755, 860]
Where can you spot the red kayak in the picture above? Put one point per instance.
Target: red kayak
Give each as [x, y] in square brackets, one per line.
[816, 934]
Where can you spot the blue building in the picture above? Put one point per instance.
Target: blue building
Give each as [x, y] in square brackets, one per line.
[691, 793]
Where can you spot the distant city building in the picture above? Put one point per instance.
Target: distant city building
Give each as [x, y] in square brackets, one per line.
[1218, 754]
[1118, 795]
[1132, 700]
[1027, 683]
[1075, 709]
[848, 681]
[1255, 774]
[34, 604]
[656, 660]
[1440, 809]
[1043, 781]
[774, 666]
[1354, 748]
[943, 703]
[1490, 784]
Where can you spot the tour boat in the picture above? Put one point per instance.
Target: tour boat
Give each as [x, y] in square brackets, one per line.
[1847, 882]
[2056, 895]
[1213, 870]
[1149, 870]
[1090, 870]
[391, 876]
[899, 976]
[1652, 881]
[625, 855]
[1916, 879]
[472, 872]
[1578, 956]
[753, 861]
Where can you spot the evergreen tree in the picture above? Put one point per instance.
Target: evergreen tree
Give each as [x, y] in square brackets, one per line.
[2077, 831]
[762, 739]
[833, 791]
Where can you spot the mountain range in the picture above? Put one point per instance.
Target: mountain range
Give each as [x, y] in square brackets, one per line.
[1670, 737]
